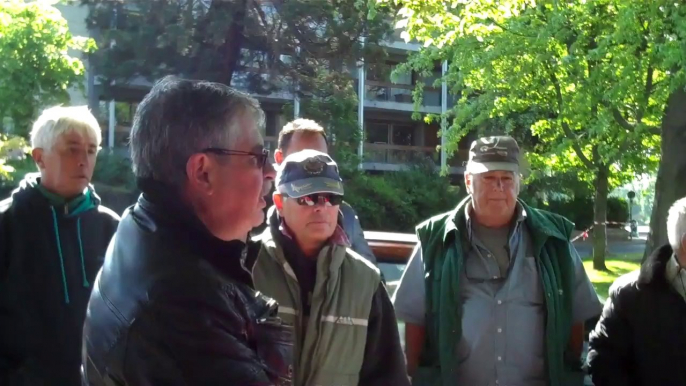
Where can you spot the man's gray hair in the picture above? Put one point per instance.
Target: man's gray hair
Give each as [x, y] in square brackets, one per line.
[676, 223]
[179, 118]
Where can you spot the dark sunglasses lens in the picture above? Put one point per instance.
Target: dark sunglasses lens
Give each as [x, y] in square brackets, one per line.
[335, 199]
[326, 199]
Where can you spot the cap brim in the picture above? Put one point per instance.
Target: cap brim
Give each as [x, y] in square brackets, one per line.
[312, 185]
[477, 167]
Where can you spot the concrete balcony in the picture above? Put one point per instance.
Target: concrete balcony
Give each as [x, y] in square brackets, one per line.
[385, 157]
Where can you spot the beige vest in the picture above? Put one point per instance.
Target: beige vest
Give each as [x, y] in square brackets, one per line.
[329, 347]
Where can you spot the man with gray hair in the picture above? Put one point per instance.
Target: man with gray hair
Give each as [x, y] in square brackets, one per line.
[495, 293]
[640, 339]
[174, 303]
[53, 238]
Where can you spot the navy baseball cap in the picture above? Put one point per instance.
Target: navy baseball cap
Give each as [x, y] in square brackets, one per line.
[307, 172]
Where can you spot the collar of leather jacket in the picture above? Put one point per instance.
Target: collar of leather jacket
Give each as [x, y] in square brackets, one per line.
[653, 268]
[168, 210]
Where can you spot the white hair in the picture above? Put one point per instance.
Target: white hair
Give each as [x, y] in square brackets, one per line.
[58, 120]
[676, 223]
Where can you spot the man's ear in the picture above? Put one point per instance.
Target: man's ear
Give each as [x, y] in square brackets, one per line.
[198, 170]
[278, 156]
[468, 180]
[37, 155]
[278, 201]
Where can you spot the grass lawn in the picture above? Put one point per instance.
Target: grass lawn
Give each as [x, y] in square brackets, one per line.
[617, 265]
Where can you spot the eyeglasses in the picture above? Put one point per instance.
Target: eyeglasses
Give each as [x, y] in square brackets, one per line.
[261, 158]
[325, 199]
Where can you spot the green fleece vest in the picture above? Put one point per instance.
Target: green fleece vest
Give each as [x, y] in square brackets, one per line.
[328, 348]
[441, 239]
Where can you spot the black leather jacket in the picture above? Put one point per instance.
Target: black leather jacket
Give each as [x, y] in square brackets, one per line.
[173, 305]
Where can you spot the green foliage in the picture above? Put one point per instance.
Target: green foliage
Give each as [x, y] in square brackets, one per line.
[37, 69]
[114, 169]
[13, 152]
[595, 75]
[579, 210]
[400, 200]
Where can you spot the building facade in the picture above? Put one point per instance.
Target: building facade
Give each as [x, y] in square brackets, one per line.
[392, 139]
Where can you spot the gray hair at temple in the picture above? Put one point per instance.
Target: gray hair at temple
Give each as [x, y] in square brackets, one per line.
[181, 117]
[676, 224]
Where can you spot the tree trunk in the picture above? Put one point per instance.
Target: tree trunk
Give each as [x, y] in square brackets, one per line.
[221, 71]
[600, 216]
[671, 176]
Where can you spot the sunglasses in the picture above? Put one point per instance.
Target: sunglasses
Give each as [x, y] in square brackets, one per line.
[261, 158]
[325, 199]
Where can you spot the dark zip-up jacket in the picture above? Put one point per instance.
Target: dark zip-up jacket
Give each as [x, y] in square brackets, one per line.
[50, 255]
[640, 339]
[174, 305]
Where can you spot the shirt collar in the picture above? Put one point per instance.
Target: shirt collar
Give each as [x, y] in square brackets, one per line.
[520, 212]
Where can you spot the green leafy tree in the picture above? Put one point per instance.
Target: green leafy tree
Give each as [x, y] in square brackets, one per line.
[36, 69]
[272, 43]
[595, 74]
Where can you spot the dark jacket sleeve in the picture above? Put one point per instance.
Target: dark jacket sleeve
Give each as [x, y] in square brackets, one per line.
[610, 349]
[384, 360]
[352, 227]
[181, 341]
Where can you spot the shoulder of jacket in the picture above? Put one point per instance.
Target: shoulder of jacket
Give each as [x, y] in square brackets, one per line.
[624, 285]
[362, 263]
[108, 213]
[5, 205]
[439, 218]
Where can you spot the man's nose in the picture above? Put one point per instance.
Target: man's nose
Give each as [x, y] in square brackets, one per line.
[498, 184]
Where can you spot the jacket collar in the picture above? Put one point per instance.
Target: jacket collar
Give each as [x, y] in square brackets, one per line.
[538, 224]
[169, 211]
[653, 268]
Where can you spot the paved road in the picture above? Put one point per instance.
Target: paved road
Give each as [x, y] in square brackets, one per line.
[615, 246]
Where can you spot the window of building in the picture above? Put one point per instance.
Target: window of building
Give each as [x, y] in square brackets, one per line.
[271, 121]
[402, 135]
[377, 132]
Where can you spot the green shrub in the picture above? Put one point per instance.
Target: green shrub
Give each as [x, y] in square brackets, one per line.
[580, 210]
[617, 210]
[398, 201]
[114, 169]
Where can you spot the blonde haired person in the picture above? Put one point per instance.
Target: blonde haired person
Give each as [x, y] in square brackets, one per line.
[53, 236]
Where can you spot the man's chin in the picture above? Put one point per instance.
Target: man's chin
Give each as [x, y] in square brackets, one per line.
[259, 219]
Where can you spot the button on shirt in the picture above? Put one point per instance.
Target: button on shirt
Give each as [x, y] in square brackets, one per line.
[503, 318]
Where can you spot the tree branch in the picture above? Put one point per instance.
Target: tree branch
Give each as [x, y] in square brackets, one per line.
[617, 115]
[565, 126]
[646, 93]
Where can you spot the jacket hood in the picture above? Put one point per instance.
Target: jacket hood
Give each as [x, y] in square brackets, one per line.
[653, 268]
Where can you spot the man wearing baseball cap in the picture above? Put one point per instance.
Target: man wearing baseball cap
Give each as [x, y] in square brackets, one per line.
[344, 326]
[495, 293]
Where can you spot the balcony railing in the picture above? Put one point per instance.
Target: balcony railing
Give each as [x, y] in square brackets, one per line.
[398, 93]
[397, 154]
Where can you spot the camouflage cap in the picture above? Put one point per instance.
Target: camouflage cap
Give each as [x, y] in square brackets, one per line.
[493, 153]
